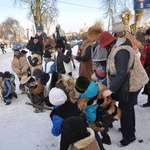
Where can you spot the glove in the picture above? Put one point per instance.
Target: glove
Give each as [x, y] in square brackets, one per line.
[29, 57]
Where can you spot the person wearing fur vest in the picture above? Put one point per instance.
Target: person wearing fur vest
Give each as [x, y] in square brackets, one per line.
[75, 135]
[20, 66]
[120, 60]
[99, 55]
[85, 57]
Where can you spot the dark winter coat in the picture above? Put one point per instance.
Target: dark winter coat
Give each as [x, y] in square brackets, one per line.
[68, 109]
[61, 58]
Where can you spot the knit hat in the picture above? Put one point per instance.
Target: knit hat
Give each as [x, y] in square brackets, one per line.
[39, 28]
[1, 74]
[44, 78]
[82, 84]
[148, 31]
[25, 79]
[47, 54]
[73, 129]
[118, 27]
[105, 39]
[57, 96]
[94, 32]
[37, 73]
[60, 44]
[58, 26]
[100, 72]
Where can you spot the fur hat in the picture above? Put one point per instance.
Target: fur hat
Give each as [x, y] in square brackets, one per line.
[118, 27]
[39, 28]
[82, 84]
[60, 44]
[148, 31]
[73, 129]
[105, 39]
[37, 73]
[47, 54]
[100, 72]
[83, 35]
[44, 78]
[94, 32]
[25, 79]
[57, 96]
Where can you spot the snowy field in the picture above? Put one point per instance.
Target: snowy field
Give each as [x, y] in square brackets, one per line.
[22, 129]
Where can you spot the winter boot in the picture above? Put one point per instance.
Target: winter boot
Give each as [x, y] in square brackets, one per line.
[15, 95]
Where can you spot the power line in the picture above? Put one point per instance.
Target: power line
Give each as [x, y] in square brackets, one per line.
[78, 5]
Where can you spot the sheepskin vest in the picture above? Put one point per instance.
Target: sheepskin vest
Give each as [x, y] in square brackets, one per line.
[138, 76]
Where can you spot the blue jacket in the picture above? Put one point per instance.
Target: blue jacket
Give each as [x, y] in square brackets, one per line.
[90, 110]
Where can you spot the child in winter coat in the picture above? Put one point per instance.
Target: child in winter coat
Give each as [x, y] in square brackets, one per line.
[48, 66]
[63, 109]
[5, 88]
[75, 135]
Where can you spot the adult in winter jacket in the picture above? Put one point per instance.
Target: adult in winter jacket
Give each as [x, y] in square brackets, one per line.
[86, 66]
[62, 59]
[40, 35]
[59, 34]
[75, 135]
[20, 66]
[145, 59]
[121, 59]
[98, 54]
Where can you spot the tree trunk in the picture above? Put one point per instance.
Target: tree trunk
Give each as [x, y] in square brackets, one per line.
[139, 14]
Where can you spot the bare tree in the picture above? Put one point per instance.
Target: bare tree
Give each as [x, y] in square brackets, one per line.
[41, 12]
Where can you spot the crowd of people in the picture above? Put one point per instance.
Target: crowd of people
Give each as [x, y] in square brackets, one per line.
[84, 106]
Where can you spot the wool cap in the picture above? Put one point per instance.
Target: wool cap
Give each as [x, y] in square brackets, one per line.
[100, 72]
[1, 74]
[39, 28]
[148, 31]
[82, 84]
[47, 54]
[58, 26]
[44, 78]
[73, 129]
[60, 44]
[105, 39]
[57, 96]
[118, 27]
[24, 79]
[37, 73]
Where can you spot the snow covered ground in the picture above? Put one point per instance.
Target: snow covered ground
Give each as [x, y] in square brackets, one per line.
[22, 129]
